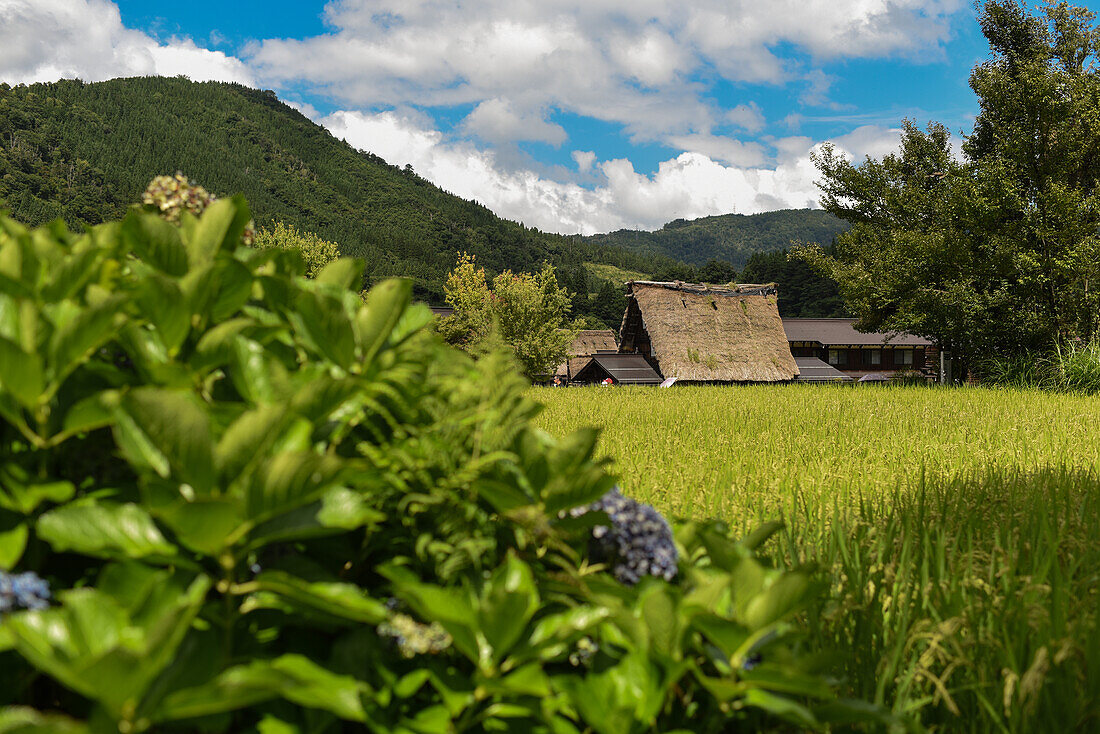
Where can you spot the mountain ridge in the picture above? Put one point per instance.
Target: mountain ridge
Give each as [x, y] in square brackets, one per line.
[85, 151]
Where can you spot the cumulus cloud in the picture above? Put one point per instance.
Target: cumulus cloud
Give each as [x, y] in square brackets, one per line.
[584, 160]
[496, 120]
[748, 117]
[690, 185]
[632, 62]
[47, 40]
[520, 64]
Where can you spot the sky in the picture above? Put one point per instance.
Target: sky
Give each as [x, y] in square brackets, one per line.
[573, 116]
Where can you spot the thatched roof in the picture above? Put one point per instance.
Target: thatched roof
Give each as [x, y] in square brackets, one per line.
[700, 333]
[587, 343]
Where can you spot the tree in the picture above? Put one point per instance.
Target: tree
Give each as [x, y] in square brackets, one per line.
[999, 251]
[529, 310]
[316, 252]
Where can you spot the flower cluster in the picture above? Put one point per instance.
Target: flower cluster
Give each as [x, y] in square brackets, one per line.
[172, 195]
[637, 543]
[583, 654]
[413, 638]
[23, 591]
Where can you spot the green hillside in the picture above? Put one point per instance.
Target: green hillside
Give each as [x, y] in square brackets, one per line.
[84, 152]
[733, 238]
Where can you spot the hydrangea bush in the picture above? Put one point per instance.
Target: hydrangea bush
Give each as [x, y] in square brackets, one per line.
[235, 499]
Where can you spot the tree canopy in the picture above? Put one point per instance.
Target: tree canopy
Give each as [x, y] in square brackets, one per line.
[528, 311]
[998, 251]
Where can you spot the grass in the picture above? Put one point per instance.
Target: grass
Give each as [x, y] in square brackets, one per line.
[959, 528]
[747, 454]
[615, 274]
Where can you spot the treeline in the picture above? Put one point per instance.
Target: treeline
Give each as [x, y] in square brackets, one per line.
[732, 238]
[84, 152]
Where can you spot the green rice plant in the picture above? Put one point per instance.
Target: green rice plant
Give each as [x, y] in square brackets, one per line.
[970, 603]
[959, 527]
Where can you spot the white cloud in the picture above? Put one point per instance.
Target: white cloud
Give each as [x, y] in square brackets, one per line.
[495, 120]
[728, 150]
[47, 40]
[584, 159]
[748, 117]
[633, 62]
[690, 185]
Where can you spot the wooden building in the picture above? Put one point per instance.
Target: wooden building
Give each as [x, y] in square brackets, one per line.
[703, 333]
[856, 354]
[621, 369]
[586, 343]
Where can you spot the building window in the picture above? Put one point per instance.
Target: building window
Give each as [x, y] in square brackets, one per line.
[838, 357]
[872, 357]
[903, 358]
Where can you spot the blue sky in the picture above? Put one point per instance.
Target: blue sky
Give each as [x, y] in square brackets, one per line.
[570, 115]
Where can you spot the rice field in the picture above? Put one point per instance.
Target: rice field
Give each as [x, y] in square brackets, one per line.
[958, 530]
[752, 453]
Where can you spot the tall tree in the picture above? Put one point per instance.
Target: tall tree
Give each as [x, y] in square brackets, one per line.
[528, 310]
[998, 251]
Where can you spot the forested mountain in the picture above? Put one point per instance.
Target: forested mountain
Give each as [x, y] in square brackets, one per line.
[802, 292]
[733, 238]
[85, 152]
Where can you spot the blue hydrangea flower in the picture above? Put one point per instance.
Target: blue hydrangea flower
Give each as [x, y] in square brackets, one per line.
[638, 542]
[23, 591]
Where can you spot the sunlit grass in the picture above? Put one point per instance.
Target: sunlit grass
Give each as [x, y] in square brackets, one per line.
[749, 453]
[958, 529]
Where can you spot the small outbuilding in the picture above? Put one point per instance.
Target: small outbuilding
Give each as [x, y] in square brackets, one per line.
[586, 343]
[703, 333]
[621, 369]
[812, 369]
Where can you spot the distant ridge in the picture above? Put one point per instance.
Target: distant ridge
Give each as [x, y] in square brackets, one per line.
[733, 238]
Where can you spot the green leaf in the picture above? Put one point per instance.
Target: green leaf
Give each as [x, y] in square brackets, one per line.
[169, 432]
[78, 338]
[346, 509]
[204, 524]
[510, 601]
[660, 614]
[784, 708]
[758, 537]
[257, 377]
[347, 272]
[92, 644]
[23, 720]
[247, 440]
[219, 228]
[20, 373]
[71, 274]
[346, 601]
[90, 413]
[291, 479]
[103, 529]
[792, 591]
[13, 541]
[327, 325]
[22, 494]
[156, 242]
[452, 608]
[233, 282]
[386, 302]
[162, 302]
[293, 677]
